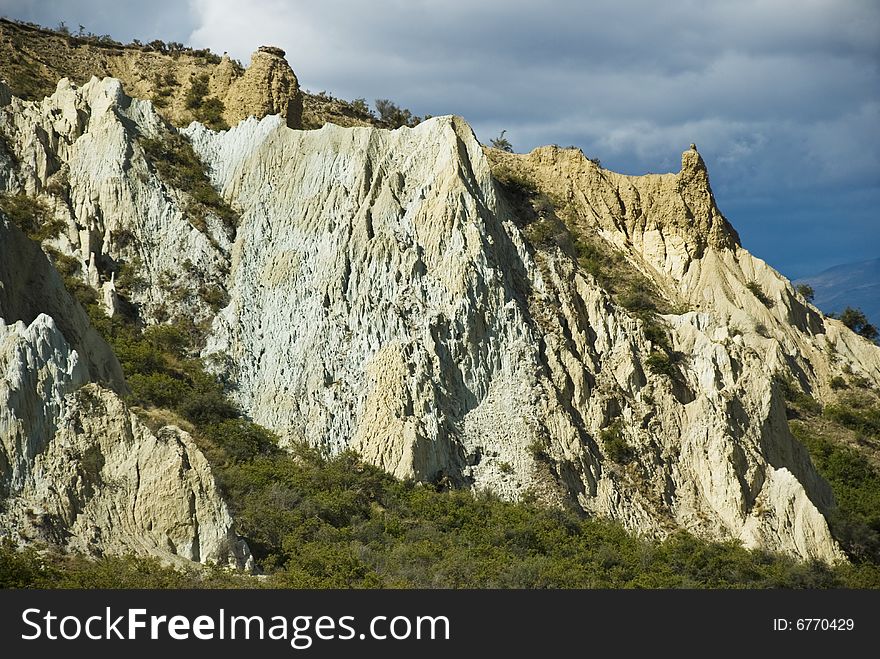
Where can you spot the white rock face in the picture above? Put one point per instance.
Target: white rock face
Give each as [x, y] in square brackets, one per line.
[79, 150]
[79, 469]
[76, 466]
[37, 370]
[382, 297]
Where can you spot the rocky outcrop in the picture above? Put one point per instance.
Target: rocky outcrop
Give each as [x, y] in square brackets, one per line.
[81, 151]
[33, 60]
[78, 469]
[383, 298]
[669, 228]
[268, 86]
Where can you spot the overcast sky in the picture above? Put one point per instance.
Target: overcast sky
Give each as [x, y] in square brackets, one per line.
[782, 97]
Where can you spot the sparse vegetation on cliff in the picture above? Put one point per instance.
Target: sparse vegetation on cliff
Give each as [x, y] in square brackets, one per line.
[179, 167]
[551, 223]
[34, 57]
[207, 109]
[756, 290]
[502, 143]
[616, 447]
[31, 215]
[856, 320]
[806, 291]
[394, 116]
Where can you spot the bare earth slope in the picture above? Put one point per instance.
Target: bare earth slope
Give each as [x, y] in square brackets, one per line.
[32, 60]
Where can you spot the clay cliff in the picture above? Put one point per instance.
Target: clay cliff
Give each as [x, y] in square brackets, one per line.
[533, 325]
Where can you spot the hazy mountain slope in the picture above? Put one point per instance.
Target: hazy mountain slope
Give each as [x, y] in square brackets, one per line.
[848, 285]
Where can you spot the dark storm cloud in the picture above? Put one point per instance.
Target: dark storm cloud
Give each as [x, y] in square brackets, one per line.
[782, 97]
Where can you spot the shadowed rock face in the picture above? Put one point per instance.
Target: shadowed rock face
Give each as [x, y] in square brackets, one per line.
[382, 296]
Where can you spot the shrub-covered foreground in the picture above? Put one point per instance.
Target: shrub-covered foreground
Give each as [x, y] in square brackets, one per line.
[840, 438]
[338, 522]
[314, 521]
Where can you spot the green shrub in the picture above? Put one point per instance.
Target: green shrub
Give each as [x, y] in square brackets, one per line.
[129, 278]
[856, 320]
[589, 258]
[856, 485]
[161, 368]
[616, 447]
[661, 363]
[30, 568]
[545, 232]
[515, 181]
[198, 89]
[800, 401]
[169, 340]
[214, 296]
[359, 106]
[242, 440]
[32, 216]
[164, 85]
[756, 290]
[210, 113]
[863, 420]
[81, 291]
[67, 266]
[538, 450]
[394, 116]
[806, 291]
[655, 332]
[22, 568]
[501, 143]
[639, 300]
[838, 382]
[157, 390]
[206, 109]
[205, 407]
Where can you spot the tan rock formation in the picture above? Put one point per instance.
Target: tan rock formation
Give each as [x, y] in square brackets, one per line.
[268, 86]
[33, 60]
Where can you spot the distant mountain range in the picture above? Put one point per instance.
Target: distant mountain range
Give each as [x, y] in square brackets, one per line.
[850, 284]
